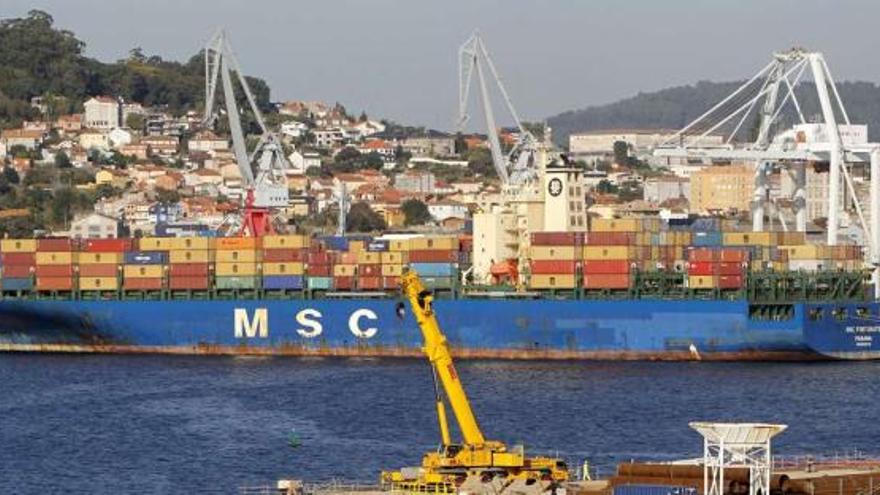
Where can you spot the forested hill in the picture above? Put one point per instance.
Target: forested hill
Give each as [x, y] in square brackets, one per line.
[38, 59]
[673, 108]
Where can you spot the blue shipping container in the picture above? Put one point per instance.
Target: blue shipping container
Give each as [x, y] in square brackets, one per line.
[283, 282]
[146, 258]
[335, 242]
[706, 239]
[433, 269]
[379, 246]
[18, 283]
[654, 490]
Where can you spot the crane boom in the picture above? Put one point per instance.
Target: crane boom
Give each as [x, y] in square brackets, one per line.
[437, 350]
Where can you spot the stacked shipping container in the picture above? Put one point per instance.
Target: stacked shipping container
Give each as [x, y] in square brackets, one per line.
[284, 261]
[555, 259]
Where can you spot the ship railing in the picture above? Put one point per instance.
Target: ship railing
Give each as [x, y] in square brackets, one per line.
[336, 487]
[849, 459]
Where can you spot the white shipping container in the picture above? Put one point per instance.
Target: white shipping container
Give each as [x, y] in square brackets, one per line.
[807, 265]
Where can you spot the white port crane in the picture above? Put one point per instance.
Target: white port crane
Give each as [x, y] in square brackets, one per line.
[830, 142]
[267, 190]
[519, 166]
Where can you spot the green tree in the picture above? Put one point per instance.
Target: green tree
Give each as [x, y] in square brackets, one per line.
[415, 212]
[167, 197]
[374, 161]
[362, 218]
[621, 152]
[480, 162]
[135, 121]
[62, 160]
[11, 175]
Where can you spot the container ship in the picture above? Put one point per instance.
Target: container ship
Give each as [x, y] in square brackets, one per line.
[624, 289]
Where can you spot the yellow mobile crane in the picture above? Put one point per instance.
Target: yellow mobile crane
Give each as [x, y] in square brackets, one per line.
[474, 458]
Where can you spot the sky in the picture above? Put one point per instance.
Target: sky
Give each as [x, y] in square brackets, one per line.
[397, 59]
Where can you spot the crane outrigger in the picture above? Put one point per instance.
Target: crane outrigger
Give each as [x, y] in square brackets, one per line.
[484, 465]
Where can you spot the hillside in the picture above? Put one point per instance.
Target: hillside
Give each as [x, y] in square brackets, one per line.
[673, 108]
[38, 59]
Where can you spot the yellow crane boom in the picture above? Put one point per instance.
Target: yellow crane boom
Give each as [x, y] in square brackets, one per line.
[475, 457]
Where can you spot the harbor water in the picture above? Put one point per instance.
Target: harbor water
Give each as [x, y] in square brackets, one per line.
[164, 424]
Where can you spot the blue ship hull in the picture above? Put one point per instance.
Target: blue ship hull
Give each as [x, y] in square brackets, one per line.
[516, 329]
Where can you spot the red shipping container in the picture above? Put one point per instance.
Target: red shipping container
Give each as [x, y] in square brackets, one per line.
[54, 283]
[733, 255]
[107, 245]
[702, 268]
[702, 254]
[188, 270]
[343, 283]
[606, 267]
[730, 269]
[370, 270]
[370, 283]
[391, 282]
[27, 259]
[17, 271]
[61, 244]
[191, 283]
[143, 283]
[606, 281]
[609, 239]
[54, 270]
[730, 282]
[282, 255]
[98, 270]
[433, 256]
[550, 267]
[319, 270]
[557, 239]
[319, 258]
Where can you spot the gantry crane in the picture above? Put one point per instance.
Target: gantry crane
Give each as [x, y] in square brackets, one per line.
[488, 462]
[267, 190]
[519, 166]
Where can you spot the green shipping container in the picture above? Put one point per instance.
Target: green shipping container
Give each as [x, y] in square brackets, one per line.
[320, 283]
[236, 282]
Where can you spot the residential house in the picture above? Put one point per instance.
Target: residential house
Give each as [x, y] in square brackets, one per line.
[30, 139]
[202, 176]
[102, 112]
[94, 139]
[442, 210]
[660, 189]
[383, 148]
[164, 146]
[367, 128]
[171, 181]
[294, 129]
[113, 177]
[300, 161]
[129, 109]
[119, 137]
[138, 150]
[95, 226]
[329, 138]
[69, 123]
[432, 145]
[722, 188]
[467, 186]
[208, 142]
[22, 165]
[415, 181]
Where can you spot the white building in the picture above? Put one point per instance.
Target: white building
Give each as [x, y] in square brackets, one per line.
[300, 161]
[329, 138]
[415, 181]
[660, 189]
[294, 129]
[102, 112]
[594, 145]
[95, 226]
[442, 210]
[119, 137]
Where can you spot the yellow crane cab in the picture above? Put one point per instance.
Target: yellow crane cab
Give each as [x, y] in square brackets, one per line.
[474, 464]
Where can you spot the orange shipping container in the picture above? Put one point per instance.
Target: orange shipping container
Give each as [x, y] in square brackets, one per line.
[227, 243]
[546, 267]
[606, 281]
[98, 270]
[54, 283]
[143, 283]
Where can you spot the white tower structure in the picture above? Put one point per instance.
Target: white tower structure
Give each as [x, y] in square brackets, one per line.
[741, 445]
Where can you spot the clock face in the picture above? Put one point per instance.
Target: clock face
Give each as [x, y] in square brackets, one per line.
[554, 187]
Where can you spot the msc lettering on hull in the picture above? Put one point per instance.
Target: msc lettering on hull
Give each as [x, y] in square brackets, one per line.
[308, 321]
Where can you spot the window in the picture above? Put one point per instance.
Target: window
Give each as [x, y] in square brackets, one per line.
[839, 313]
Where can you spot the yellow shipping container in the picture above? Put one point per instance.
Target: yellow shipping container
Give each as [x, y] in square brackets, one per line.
[142, 271]
[392, 270]
[803, 252]
[236, 255]
[190, 256]
[287, 268]
[615, 225]
[747, 239]
[234, 269]
[369, 258]
[191, 243]
[155, 243]
[98, 283]
[445, 243]
[344, 270]
[18, 245]
[608, 252]
[356, 246]
[702, 282]
[553, 253]
[100, 258]
[552, 282]
[393, 258]
[56, 258]
[400, 245]
[285, 241]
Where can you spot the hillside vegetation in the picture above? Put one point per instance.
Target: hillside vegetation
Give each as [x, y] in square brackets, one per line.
[673, 108]
[38, 59]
